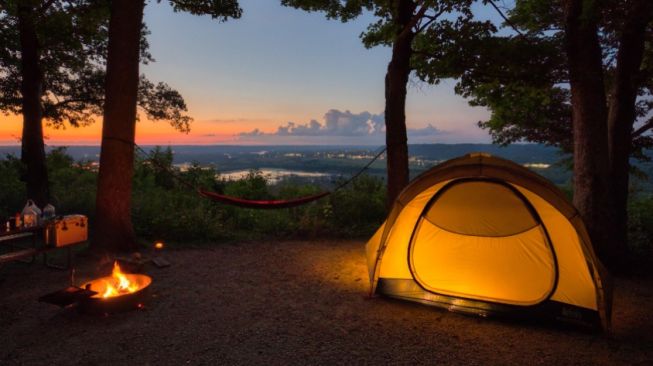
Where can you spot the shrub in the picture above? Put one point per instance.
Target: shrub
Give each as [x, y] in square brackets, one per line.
[12, 189]
[164, 207]
[640, 227]
[72, 185]
[360, 207]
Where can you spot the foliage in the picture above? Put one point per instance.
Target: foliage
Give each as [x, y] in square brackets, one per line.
[521, 74]
[73, 184]
[640, 228]
[155, 167]
[444, 22]
[163, 209]
[403, 25]
[73, 39]
[176, 214]
[12, 189]
[360, 208]
[217, 9]
[253, 186]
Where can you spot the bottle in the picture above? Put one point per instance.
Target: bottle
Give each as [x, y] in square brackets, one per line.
[31, 214]
[48, 212]
[30, 219]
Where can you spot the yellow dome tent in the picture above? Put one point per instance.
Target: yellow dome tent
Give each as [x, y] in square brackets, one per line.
[483, 235]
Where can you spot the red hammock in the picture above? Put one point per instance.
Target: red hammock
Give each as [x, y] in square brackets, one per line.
[240, 202]
[271, 204]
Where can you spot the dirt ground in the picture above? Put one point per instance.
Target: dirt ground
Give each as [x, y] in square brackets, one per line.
[279, 303]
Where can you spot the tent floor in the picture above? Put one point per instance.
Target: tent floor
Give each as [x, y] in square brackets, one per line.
[547, 311]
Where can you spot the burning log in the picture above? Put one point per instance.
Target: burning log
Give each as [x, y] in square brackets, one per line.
[115, 293]
[118, 292]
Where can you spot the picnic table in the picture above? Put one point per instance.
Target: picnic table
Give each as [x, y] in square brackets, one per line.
[13, 241]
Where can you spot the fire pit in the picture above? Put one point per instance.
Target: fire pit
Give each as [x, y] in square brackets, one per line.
[115, 293]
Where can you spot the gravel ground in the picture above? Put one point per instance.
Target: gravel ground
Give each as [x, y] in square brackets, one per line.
[279, 303]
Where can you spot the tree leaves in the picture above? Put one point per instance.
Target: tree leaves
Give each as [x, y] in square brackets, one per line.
[73, 38]
[161, 102]
[217, 9]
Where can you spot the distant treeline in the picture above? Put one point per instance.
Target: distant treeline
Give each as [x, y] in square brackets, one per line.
[330, 159]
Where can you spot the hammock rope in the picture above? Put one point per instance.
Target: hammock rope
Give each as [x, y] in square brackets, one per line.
[262, 204]
[242, 202]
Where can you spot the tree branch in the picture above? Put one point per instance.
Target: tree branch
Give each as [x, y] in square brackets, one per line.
[508, 21]
[413, 21]
[431, 18]
[77, 100]
[45, 6]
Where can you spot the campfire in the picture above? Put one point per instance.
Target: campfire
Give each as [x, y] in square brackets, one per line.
[121, 291]
[118, 292]
[118, 284]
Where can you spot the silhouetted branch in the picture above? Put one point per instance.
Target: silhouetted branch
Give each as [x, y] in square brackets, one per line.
[508, 21]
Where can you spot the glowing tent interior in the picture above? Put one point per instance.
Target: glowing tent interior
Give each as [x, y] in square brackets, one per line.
[483, 235]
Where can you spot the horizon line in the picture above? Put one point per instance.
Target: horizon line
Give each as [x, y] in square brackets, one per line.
[289, 145]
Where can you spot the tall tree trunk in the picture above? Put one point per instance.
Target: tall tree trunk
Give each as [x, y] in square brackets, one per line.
[622, 117]
[589, 116]
[396, 80]
[114, 230]
[33, 148]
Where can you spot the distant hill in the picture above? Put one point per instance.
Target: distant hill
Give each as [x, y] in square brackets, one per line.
[521, 153]
[347, 160]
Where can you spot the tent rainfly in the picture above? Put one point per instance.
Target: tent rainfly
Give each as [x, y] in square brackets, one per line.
[483, 235]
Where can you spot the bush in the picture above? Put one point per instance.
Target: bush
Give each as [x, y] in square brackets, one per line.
[640, 227]
[360, 207]
[165, 207]
[72, 185]
[12, 189]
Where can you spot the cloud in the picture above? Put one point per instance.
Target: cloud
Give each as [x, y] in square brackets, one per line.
[336, 123]
[254, 133]
[338, 127]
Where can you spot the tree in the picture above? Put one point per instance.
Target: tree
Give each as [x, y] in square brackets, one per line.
[632, 77]
[113, 202]
[570, 77]
[52, 59]
[404, 25]
[589, 117]
[114, 229]
[47, 47]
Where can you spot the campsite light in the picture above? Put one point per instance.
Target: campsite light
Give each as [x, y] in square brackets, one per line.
[158, 245]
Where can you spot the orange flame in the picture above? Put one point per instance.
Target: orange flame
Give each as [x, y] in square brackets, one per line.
[118, 284]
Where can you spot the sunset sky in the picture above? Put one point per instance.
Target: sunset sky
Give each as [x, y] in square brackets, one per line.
[278, 76]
